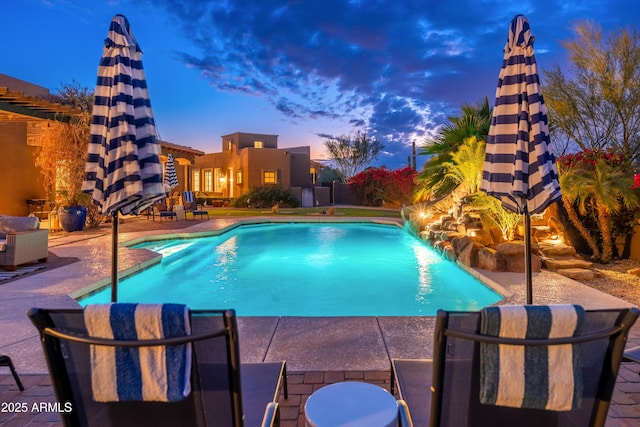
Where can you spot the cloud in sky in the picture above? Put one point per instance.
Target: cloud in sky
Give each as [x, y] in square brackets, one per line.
[395, 69]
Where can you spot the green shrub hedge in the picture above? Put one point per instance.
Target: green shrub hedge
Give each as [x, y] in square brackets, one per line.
[266, 197]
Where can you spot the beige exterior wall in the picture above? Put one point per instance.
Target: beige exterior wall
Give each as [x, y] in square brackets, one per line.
[261, 160]
[635, 244]
[245, 140]
[290, 166]
[18, 174]
[300, 166]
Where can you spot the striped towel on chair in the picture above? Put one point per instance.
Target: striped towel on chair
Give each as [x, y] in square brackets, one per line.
[159, 373]
[538, 377]
[188, 196]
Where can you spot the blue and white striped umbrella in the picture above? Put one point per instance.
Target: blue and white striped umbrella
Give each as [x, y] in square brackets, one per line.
[123, 170]
[520, 167]
[170, 176]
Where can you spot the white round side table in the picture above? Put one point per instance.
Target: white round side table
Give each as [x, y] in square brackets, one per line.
[351, 404]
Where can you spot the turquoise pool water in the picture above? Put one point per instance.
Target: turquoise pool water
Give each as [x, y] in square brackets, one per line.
[299, 269]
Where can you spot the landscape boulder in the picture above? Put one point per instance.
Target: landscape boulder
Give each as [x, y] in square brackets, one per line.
[460, 242]
[577, 273]
[555, 264]
[513, 255]
[557, 250]
[515, 263]
[483, 237]
[469, 255]
[490, 259]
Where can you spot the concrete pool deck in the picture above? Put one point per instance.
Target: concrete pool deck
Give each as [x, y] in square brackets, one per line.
[308, 344]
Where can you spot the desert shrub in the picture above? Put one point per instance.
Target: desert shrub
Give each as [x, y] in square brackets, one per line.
[266, 197]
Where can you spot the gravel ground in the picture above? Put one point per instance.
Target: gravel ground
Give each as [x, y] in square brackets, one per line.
[613, 279]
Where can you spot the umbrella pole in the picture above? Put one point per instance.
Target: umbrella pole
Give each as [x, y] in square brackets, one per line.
[527, 256]
[114, 257]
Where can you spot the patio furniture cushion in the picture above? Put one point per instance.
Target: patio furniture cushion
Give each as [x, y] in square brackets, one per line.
[154, 374]
[12, 224]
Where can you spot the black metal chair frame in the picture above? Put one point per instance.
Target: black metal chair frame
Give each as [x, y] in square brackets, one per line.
[617, 339]
[167, 212]
[193, 208]
[51, 337]
[6, 361]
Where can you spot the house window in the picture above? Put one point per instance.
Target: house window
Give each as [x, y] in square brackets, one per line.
[314, 175]
[269, 177]
[229, 145]
[208, 180]
[196, 180]
[239, 177]
[258, 144]
[218, 180]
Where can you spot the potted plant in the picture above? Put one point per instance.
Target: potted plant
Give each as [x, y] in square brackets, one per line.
[61, 158]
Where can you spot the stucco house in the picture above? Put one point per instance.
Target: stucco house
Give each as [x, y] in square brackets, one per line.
[246, 159]
[254, 160]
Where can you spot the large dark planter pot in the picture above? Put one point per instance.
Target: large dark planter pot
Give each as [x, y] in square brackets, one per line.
[72, 218]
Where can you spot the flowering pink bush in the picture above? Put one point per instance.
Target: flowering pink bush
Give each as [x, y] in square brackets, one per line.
[588, 159]
[374, 186]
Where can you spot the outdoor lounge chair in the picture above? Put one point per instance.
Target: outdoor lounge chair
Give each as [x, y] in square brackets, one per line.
[162, 211]
[446, 391]
[223, 392]
[191, 206]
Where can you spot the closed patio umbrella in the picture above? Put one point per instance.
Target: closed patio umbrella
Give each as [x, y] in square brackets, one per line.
[123, 170]
[519, 167]
[170, 176]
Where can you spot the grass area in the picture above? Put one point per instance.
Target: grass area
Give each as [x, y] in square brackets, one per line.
[339, 211]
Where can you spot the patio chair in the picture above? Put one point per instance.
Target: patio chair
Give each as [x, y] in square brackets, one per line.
[223, 392]
[191, 206]
[163, 211]
[6, 361]
[446, 391]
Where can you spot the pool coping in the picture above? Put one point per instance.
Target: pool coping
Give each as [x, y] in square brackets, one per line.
[307, 343]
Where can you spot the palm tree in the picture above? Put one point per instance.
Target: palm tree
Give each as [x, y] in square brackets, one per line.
[466, 165]
[607, 189]
[568, 199]
[474, 121]
[435, 180]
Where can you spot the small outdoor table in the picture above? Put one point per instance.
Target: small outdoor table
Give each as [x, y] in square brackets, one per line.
[36, 202]
[351, 404]
[179, 210]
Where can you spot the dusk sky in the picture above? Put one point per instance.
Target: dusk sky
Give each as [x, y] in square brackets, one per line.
[304, 69]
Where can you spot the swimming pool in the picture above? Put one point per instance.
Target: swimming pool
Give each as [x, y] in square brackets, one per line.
[305, 269]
